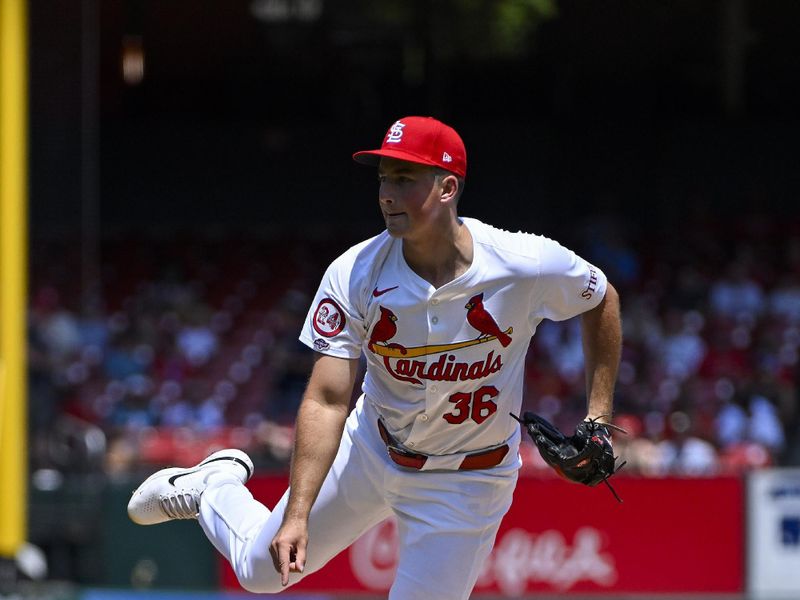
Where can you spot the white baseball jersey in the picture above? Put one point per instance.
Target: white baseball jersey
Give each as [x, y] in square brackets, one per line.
[445, 365]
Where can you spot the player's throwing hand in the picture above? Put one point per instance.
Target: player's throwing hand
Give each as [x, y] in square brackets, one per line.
[288, 548]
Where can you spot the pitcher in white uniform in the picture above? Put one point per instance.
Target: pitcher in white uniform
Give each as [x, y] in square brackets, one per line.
[443, 308]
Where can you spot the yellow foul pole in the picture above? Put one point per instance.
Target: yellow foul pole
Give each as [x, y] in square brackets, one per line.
[13, 280]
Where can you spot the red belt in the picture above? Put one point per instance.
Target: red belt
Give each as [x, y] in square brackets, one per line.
[479, 460]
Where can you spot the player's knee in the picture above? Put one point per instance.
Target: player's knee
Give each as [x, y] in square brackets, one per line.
[260, 584]
[265, 581]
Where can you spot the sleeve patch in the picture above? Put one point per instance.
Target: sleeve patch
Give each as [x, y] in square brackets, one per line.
[329, 319]
[591, 287]
[320, 345]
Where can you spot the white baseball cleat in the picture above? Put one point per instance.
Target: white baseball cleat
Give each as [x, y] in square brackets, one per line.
[174, 493]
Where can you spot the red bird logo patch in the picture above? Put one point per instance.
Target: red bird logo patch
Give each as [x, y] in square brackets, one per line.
[384, 330]
[480, 319]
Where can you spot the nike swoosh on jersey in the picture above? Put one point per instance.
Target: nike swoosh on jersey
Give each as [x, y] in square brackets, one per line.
[376, 292]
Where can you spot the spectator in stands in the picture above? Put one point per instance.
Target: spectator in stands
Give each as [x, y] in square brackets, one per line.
[56, 326]
[784, 299]
[93, 327]
[690, 291]
[684, 452]
[196, 341]
[765, 424]
[739, 317]
[728, 355]
[682, 349]
[43, 402]
[197, 408]
[123, 358]
[748, 432]
[134, 410]
[290, 359]
[737, 293]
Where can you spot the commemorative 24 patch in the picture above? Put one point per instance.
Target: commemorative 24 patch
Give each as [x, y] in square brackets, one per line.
[329, 318]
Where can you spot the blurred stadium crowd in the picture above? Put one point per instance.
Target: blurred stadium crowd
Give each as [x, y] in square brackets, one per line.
[190, 343]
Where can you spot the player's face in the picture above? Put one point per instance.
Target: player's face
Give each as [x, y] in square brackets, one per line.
[409, 197]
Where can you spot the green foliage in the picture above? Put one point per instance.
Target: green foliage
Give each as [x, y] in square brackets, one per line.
[479, 29]
[500, 28]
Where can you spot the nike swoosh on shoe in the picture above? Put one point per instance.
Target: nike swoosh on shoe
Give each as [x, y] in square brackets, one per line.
[175, 477]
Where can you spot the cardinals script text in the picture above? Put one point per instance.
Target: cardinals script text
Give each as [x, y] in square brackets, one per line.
[444, 369]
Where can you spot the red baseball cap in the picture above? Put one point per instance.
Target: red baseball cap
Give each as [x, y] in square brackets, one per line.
[423, 140]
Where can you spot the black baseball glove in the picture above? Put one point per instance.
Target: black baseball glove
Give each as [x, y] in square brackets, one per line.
[585, 457]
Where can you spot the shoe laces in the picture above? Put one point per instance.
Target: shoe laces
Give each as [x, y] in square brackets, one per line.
[180, 505]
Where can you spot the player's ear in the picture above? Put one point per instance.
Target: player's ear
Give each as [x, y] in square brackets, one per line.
[449, 187]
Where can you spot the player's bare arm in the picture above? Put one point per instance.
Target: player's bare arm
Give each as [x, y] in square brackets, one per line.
[320, 421]
[601, 329]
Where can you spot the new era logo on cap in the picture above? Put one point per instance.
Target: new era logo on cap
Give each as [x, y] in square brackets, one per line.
[423, 140]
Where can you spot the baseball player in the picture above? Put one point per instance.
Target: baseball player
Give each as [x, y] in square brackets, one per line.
[443, 308]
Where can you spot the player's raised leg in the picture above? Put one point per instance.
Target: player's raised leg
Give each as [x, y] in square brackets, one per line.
[241, 528]
[350, 502]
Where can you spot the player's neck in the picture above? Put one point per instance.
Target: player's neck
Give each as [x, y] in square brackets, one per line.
[441, 257]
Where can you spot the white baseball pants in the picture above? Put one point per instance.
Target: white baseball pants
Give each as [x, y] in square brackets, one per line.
[447, 520]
